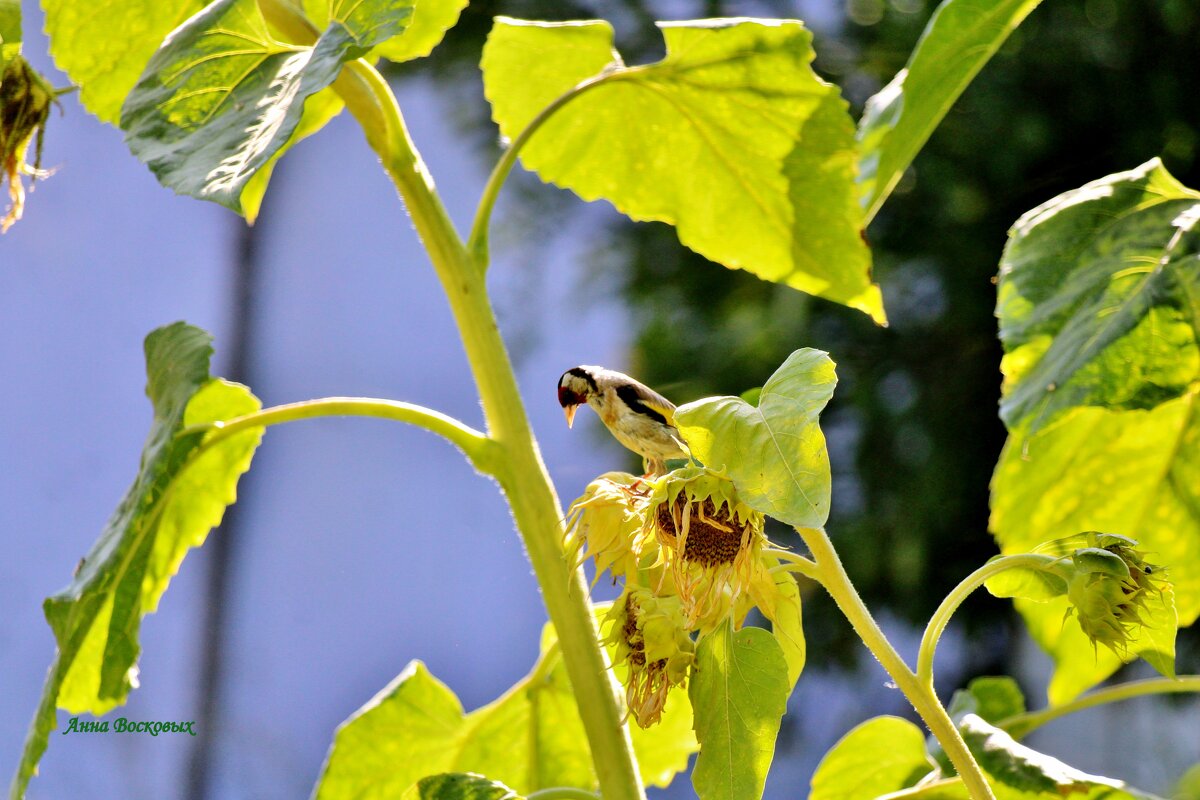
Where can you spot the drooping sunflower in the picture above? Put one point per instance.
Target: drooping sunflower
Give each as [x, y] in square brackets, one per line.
[607, 524]
[712, 544]
[651, 637]
[25, 100]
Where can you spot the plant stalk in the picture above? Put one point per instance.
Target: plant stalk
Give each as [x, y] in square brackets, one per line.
[1020, 725]
[941, 617]
[517, 464]
[477, 241]
[833, 577]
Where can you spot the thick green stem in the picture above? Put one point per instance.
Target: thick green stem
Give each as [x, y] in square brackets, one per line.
[833, 577]
[518, 464]
[941, 617]
[1021, 725]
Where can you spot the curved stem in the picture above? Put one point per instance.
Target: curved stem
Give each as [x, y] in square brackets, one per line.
[516, 462]
[832, 575]
[474, 444]
[794, 563]
[1020, 725]
[941, 617]
[477, 243]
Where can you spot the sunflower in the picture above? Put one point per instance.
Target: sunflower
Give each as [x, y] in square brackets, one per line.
[651, 638]
[712, 545]
[25, 100]
[606, 524]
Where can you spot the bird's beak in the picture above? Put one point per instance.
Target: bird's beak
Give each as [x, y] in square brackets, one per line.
[570, 412]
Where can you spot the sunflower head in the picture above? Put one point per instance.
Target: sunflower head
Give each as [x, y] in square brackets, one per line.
[712, 541]
[25, 100]
[606, 524]
[651, 638]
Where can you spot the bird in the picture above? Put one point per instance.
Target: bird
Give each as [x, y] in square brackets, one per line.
[639, 417]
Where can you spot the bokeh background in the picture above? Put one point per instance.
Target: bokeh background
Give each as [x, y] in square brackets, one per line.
[358, 545]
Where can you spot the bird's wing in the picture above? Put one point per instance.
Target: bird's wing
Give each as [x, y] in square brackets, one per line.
[635, 394]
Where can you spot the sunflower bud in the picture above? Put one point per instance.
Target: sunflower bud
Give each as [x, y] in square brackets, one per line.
[25, 100]
[606, 523]
[652, 640]
[1108, 586]
[713, 544]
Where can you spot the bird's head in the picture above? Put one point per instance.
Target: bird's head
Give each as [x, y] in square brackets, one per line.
[574, 388]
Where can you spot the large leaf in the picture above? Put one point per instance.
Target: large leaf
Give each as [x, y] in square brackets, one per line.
[1099, 298]
[732, 138]
[884, 754]
[739, 690]
[221, 98]
[1013, 767]
[430, 21]
[530, 738]
[180, 493]
[1014, 771]
[960, 38]
[1099, 306]
[1136, 473]
[403, 734]
[104, 45]
[773, 452]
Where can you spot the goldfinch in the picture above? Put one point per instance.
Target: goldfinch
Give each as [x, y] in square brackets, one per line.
[639, 417]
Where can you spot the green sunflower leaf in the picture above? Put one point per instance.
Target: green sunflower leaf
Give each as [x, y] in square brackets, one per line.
[460, 786]
[1099, 298]
[960, 38]
[774, 452]
[430, 21]
[530, 738]
[739, 689]
[406, 732]
[1014, 768]
[104, 45]
[732, 138]
[1099, 307]
[1136, 473]
[180, 493]
[222, 98]
[881, 755]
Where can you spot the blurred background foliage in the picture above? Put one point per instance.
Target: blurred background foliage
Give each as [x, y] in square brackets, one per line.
[1083, 88]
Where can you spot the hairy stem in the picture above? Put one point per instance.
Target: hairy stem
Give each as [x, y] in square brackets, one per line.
[941, 617]
[832, 575]
[516, 462]
[1020, 725]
